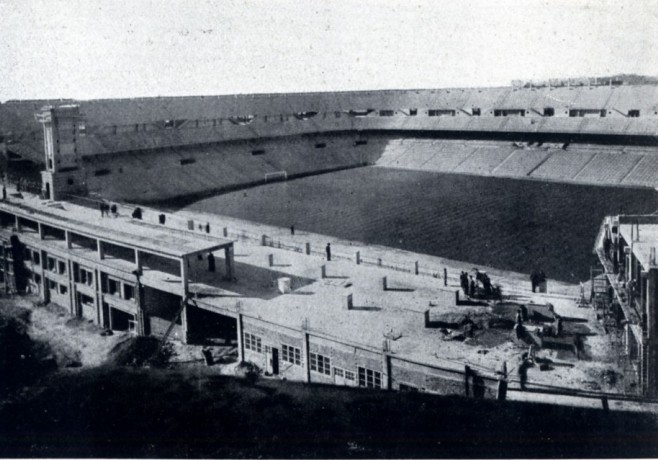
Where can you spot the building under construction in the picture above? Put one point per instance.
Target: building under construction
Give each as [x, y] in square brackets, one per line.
[289, 305]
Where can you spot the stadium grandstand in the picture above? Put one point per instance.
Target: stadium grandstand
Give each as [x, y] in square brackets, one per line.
[153, 272]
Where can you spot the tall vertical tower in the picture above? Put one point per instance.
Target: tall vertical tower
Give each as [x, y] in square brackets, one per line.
[64, 172]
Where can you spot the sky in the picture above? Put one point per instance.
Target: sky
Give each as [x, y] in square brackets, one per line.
[87, 49]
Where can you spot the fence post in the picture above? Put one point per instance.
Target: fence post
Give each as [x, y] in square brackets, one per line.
[308, 249]
[502, 383]
[358, 257]
[225, 232]
[416, 268]
[270, 259]
[445, 276]
[263, 240]
[379, 261]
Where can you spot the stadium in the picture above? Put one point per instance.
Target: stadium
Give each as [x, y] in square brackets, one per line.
[215, 214]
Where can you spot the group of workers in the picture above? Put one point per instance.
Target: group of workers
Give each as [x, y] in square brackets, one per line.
[470, 284]
[109, 210]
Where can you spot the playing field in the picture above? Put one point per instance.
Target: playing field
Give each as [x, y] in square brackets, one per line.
[508, 224]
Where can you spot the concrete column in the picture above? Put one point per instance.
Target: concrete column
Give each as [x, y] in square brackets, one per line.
[102, 320]
[138, 260]
[73, 298]
[642, 290]
[100, 249]
[67, 238]
[650, 304]
[229, 259]
[386, 371]
[183, 320]
[44, 282]
[240, 330]
[143, 325]
[629, 264]
[306, 357]
[184, 276]
[42, 234]
[18, 224]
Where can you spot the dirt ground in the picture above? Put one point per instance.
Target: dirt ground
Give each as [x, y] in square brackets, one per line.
[78, 344]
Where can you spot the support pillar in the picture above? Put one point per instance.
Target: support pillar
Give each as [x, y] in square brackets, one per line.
[183, 320]
[143, 326]
[138, 261]
[650, 350]
[76, 310]
[100, 249]
[184, 269]
[386, 371]
[44, 282]
[229, 260]
[306, 357]
[649, 294]
[240, 333]
[67, 238]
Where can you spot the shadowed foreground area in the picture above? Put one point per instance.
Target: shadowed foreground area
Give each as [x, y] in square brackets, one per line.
[124, 412]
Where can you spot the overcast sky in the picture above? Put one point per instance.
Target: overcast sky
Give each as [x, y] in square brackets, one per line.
[122, 48]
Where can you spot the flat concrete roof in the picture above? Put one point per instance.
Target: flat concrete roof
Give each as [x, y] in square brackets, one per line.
[122, 230]
[318, 305]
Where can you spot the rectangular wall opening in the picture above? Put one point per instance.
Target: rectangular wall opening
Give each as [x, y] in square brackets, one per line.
[206, 327]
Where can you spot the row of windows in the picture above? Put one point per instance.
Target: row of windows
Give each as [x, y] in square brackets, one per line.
[342, 373]
[368, 378]
[56, 265]
[291, 355]
[52, 285]
[320, 364]
[253, 342]
[84, 276]
[116, 288]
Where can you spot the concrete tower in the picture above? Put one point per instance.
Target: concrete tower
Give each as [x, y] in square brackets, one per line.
[64, 173]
